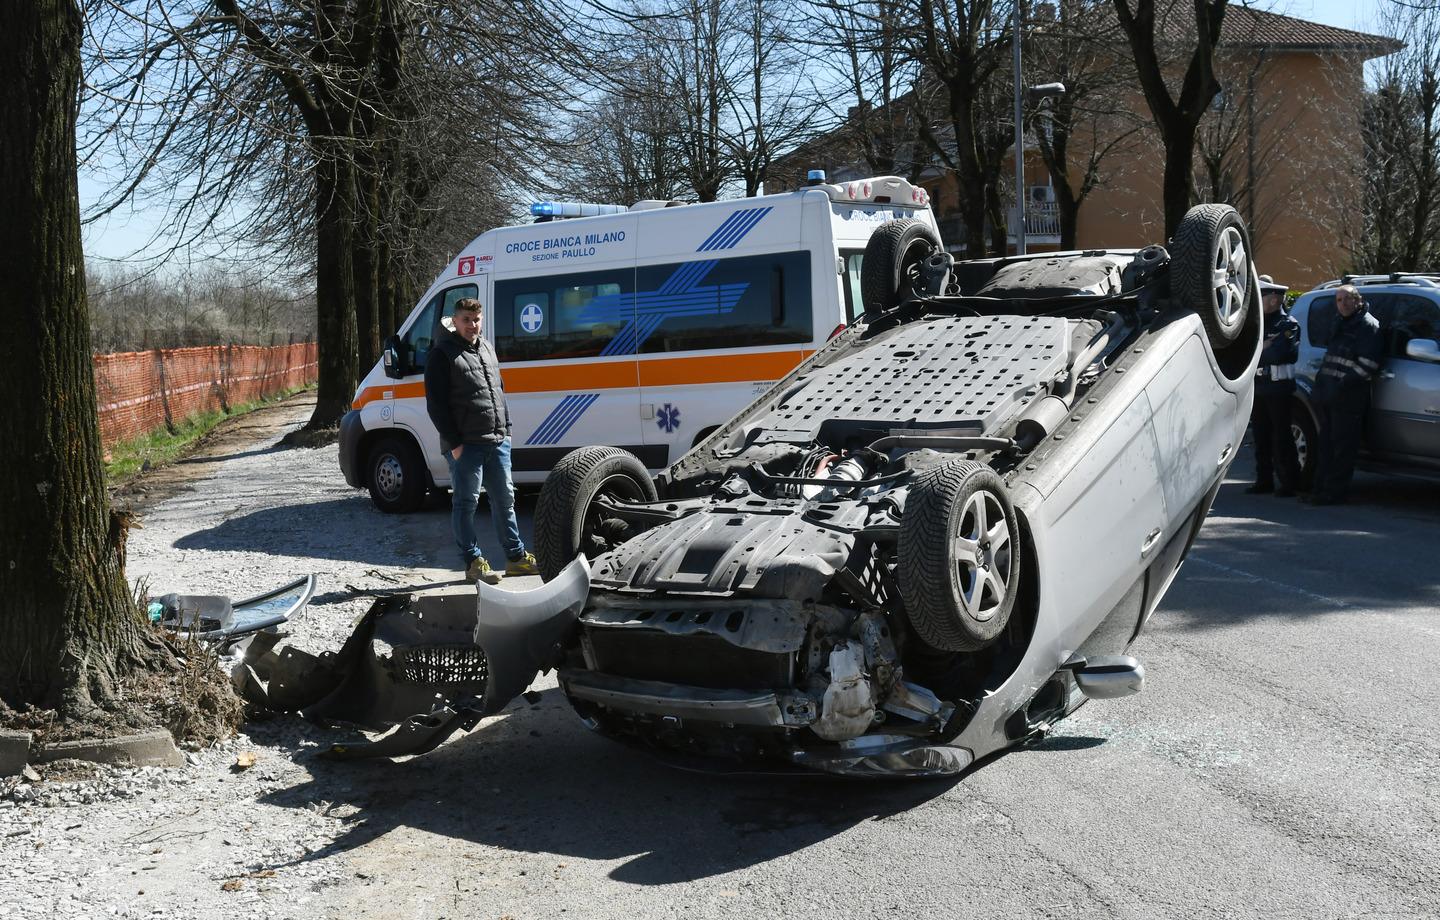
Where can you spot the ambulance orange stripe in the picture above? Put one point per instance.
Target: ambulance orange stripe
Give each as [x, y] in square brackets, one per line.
[397, 391]
[611, 375]
[769, 365]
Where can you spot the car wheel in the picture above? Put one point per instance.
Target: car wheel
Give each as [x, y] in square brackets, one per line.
[1210, 270]
[567, 522]
[396, 475]
[959, 557]
[1302, 430]
[890, 271]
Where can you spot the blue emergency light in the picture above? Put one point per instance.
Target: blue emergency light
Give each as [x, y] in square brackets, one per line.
[815, 177]
[574, 209]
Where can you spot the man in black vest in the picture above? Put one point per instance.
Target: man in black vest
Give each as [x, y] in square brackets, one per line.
[1275, 458]
[1342, 393]
[465, 401]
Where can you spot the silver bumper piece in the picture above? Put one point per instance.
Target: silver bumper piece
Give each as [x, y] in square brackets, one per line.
[521, 632]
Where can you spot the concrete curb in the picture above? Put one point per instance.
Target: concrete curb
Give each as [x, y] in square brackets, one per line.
[14, 752]
[148, 749]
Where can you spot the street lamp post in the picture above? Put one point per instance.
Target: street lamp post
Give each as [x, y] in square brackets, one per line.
[1019, 142]
[1042, 91]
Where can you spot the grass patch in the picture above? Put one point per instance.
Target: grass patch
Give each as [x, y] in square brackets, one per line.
[128, 458]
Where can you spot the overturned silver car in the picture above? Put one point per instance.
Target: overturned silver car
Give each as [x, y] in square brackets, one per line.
[935, 538]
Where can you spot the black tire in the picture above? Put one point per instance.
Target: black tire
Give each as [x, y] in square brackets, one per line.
[396, 475]
[565, 524]
[889, 273]
[955, 604]
[1212, 237]
[1307, 444]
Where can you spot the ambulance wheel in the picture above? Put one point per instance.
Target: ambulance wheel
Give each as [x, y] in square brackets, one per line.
[890, 272]
[567, 520]
[395, 473]
[1210, 270]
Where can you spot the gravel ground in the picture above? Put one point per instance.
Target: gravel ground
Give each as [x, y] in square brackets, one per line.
[213, 840]
[1280, 763]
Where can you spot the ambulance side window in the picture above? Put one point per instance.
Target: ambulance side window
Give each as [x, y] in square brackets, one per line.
[854, 303]
[423, 332]
[729, 303]
[562, 316]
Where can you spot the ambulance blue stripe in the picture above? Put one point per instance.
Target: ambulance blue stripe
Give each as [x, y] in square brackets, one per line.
[725, 230]
[736, 233]
[562, 418]
[621, 344]
[537, 437]
[577, 410]
[679, 295]
[722, 229]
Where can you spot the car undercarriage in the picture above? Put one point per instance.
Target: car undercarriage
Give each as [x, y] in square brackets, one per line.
[916, 549]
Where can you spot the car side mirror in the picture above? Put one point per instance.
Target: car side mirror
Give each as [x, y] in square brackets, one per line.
[395, 357]
[1423, 350]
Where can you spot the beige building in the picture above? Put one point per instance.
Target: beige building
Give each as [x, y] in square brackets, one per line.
[1282, 143]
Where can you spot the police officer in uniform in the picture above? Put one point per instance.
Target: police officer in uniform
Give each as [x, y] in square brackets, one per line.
[1275, 457]
[1342, 393]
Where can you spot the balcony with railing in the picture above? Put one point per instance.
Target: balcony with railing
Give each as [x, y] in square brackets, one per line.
[1042, 222]
[1042, 226]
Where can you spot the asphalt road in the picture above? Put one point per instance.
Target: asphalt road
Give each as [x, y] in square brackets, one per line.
[1281, 762]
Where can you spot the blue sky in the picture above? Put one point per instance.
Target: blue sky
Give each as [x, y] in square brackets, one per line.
[1347, 14]
[118, 236]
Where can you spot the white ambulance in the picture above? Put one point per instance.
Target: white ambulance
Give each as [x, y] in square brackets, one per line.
[642, 327]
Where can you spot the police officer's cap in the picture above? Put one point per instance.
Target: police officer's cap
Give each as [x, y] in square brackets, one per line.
[1268, 286]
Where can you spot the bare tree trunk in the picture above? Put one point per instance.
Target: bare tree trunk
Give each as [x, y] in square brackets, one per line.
[995, 210]
[367, 262]
[1177, 117]
[68, 628]
[334, 283]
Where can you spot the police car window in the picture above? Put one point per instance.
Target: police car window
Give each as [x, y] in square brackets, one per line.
[730, 303]
[1320, 321]
[1411, 318]
[854, 303]
[423, 332]
[562, 316]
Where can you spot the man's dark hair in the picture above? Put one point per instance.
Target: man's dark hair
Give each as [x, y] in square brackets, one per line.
[468, 304]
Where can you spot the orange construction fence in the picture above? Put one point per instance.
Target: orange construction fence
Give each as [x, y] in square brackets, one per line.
[144, 391]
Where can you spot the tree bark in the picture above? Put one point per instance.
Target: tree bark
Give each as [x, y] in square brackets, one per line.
[68, 626]
[1176, 117]
[334, 282]
[367, 262]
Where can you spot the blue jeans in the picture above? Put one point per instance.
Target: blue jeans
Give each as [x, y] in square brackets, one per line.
[489, 463]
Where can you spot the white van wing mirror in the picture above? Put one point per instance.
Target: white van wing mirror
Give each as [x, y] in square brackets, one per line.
[1423, 350]
[395, 357]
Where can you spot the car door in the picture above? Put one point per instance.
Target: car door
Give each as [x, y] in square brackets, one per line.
[569, 379]
[1194, 427]
[1101, 524]
[1405, 408]
[418, 338]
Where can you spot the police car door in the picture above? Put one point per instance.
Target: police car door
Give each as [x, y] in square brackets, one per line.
[1405, 413]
